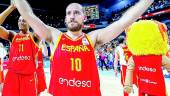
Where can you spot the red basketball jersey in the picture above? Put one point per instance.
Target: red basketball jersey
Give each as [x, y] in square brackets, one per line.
[22, 54]
[74, 70]
[127, 53]
[150, 76]
[40, 73]
[1, 72]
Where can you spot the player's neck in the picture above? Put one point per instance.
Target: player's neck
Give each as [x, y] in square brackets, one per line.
[74, 35]
[24, 31]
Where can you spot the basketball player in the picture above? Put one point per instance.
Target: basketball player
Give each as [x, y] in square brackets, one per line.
[122, 54]
[21, 78]
[3, 16]
[74, 69]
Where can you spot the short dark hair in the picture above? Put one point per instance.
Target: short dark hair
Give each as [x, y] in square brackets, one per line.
[121, 39]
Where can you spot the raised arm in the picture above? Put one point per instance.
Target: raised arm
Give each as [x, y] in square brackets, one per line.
[36, 24]
[104, 35]
[5, 13]
[5, 34]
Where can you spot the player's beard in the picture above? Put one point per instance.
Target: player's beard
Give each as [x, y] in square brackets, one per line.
[74, 28]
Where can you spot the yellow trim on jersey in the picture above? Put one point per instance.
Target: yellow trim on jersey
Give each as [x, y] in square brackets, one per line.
[56, 45]
[14, 37]
[91, 43]
[73, 39]
[31, 35]
[36, 58]
[36, 55]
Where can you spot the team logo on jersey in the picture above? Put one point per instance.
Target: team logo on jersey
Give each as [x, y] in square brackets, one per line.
[145, 80]
[147, 69]
[63, 38]
[21, 58]
[85, 41]
[77, 48]
[22, 39]
[75, 83]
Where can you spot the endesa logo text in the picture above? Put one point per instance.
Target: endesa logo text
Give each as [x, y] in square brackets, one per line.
[74, 83]
[21, 58]
[148, 69]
